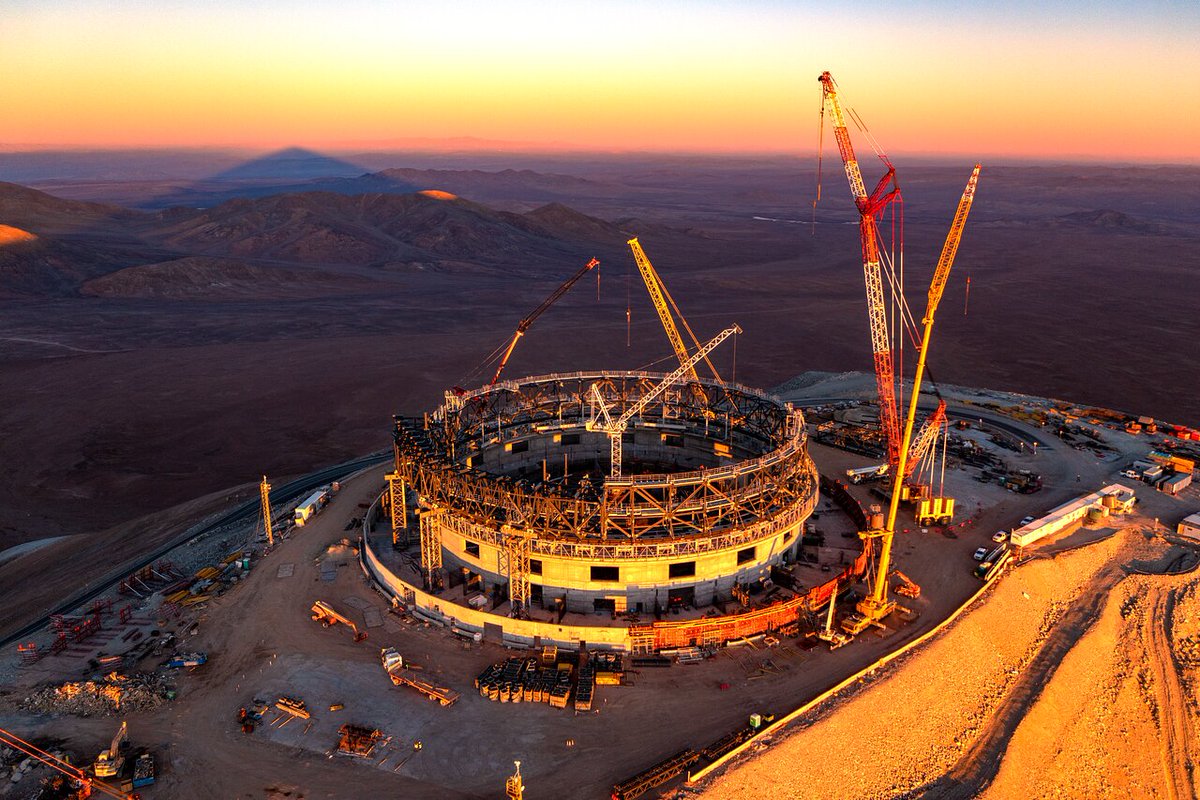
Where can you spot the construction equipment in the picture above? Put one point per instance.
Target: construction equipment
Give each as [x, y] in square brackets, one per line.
[834, 638]
[80, 780]
[603, 421]
[402, 675]
[864, 474]
[871, 209]
[908, 587]
[514, 788]
[323, 613]
[660, 297]
[940, 507]
[264, 492]
[110, 762]
[876, 605]
[524, 324]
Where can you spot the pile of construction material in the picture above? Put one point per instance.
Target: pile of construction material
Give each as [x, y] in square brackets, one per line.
[210, 581]
[112, 694]
[555, 679]
[355, 740]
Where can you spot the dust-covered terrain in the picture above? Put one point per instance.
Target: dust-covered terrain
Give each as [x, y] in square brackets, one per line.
[153, 352]
[1074, 677]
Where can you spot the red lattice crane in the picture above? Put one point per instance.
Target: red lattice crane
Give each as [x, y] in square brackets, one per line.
[870, 209]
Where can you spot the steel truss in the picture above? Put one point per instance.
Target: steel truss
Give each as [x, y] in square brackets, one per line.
[683, 511]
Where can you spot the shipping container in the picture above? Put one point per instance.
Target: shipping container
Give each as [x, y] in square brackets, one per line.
[1180, 464]
[1174, 484]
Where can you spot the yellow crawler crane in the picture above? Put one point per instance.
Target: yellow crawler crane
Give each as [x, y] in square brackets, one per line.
[660, 297]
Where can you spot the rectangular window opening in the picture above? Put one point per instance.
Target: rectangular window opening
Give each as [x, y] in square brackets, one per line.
[683, 569]
[472, 549]
[606, 573]
[746, 554]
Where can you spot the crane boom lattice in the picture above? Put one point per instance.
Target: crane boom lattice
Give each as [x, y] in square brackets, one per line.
[663, 303]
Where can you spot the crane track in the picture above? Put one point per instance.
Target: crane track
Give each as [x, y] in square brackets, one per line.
[241, 512]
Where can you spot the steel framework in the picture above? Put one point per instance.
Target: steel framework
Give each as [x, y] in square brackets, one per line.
[264, 493]
[514, 565]
[398, 508]
[773, 483]
[431, 547]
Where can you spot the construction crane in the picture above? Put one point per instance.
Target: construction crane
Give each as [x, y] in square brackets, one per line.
[877, 605]
[870, 209]
[264, 492]
[937, 287]
[661, 298]
[85, 783]
[923, 442]
[524, 324]
[514, 787]
[602, 420]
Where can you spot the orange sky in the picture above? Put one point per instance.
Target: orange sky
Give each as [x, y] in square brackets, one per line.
[1032, 80]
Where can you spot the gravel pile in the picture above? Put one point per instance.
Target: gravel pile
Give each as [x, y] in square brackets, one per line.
[112, 694]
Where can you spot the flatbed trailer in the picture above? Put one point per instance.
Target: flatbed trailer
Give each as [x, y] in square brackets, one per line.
[403, 677]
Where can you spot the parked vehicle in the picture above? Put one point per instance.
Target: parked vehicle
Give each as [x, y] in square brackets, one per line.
[980, 553]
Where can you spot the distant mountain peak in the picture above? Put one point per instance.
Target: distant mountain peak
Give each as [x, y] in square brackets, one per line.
[293, 163]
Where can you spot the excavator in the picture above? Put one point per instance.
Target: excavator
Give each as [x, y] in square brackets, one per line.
[323, 613]
[110, 762]
[908, 587]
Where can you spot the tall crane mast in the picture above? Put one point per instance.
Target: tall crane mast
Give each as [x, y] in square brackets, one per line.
[603, 421]
[524, 324]
[937, 287]
[663, 303]
[870, 210]
[264, 493]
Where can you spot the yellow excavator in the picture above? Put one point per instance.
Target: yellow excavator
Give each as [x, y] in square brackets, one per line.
[110, 761]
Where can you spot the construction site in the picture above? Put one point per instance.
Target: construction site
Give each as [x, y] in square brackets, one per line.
[628, 583]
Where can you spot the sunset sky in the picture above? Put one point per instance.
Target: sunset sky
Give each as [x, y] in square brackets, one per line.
[1045, 79]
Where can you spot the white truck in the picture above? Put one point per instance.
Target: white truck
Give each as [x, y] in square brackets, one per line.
[310, 506]
[403, 675]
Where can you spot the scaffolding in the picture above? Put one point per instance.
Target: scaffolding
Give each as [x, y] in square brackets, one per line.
[514, 564]
[775, 476]
[431, 548]
[398, 508]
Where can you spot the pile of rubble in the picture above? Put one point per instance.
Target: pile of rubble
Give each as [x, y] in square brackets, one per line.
[113, 694]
